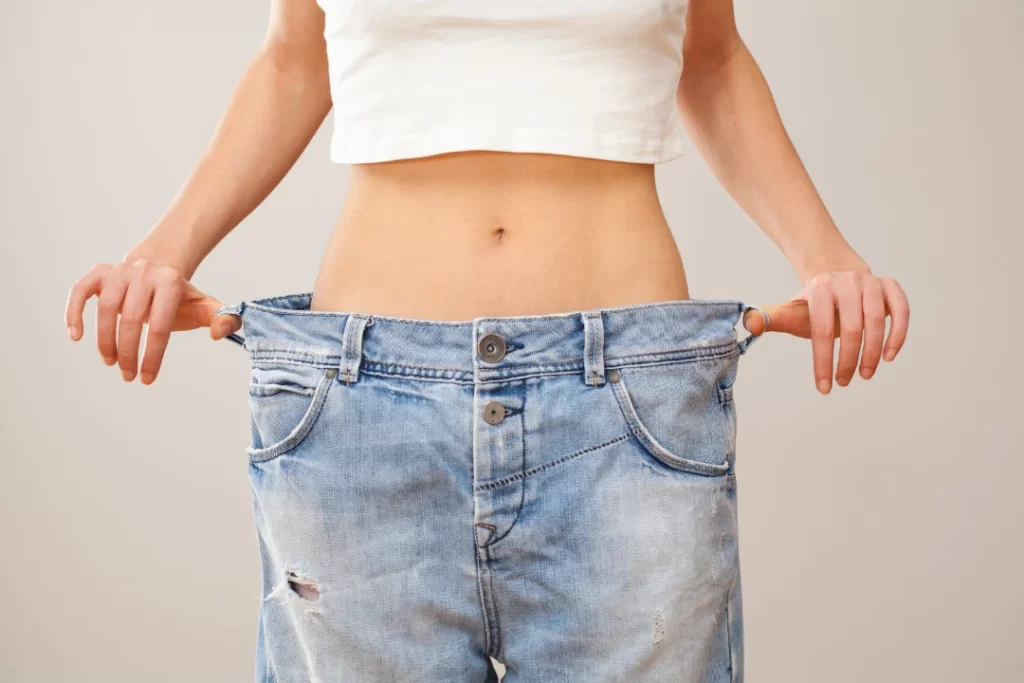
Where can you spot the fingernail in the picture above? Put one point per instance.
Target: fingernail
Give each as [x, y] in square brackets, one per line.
[890, 354]
[842, 381]
[128, 375]
[147, 378]
[824, 385]
[73, 332]
[867, 373]
[109, 360]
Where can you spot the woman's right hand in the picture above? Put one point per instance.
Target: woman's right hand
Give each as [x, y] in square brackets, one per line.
[131, 294]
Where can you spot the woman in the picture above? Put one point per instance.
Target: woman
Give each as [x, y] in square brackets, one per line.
[497, 426]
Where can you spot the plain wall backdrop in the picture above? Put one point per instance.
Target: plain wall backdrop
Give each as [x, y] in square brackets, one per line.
[881, 527]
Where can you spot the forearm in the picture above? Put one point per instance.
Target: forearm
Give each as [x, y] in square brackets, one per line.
[730, 114]
[276, 108]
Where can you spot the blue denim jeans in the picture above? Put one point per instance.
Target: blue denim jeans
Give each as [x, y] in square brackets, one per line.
[557, 492]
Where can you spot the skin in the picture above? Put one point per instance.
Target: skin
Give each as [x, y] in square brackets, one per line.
[454, 236]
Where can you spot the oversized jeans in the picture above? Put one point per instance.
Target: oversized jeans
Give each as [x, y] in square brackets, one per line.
[556, 491]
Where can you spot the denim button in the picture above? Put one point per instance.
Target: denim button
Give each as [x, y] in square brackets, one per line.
[491, 348]
[613, 375]
[494, 412]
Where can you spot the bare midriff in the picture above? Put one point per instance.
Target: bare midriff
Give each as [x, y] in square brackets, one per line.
[457, 236]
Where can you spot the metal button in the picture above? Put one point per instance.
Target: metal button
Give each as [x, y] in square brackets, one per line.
[494, 412]
[331, 372]
[491, 347]
[613, 375]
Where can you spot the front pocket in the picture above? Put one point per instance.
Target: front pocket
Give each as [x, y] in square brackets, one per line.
[680, 413]
[285, 402]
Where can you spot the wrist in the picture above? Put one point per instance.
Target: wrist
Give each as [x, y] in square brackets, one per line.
[823, 258]
[162, 252]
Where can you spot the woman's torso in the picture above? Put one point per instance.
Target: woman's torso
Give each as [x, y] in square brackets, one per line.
[456, 236]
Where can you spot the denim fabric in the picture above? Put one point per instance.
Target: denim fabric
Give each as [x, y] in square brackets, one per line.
[568, 509]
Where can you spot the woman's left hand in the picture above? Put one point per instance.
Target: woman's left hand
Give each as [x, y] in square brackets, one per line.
[851, 305]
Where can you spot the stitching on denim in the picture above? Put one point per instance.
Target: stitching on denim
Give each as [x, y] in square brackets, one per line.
[294, 438]
[548, 465]
[495, 622]
[679, 355]
[325, 360]
[688, 354]
[522, 489]
[674, 356]
[465, 378]
[272, 389]
[728, 631]
[382, 364]
[506, 374]
[316, 358]
[650, 444]
[484, 611]
[577, 368]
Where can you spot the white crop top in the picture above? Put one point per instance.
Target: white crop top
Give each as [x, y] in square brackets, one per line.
[588, 78]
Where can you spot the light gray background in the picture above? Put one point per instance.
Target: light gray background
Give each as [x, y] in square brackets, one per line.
[881, 527]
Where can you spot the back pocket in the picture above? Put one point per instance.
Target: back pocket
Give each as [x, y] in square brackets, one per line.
[285, 401]
[681, 412]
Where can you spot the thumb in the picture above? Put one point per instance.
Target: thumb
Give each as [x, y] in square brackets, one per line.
[792, 317]
[224, 324]
[220, 325]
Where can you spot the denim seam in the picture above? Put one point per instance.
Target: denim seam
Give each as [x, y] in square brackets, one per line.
[522, 489]
[301, 431]
[271, 389]
[484, 611]
[728, 631]
[691, 353]
[650, 444]
[548, 465]
[687, 355]
[459, 376]
[491, 611]
[568, 369]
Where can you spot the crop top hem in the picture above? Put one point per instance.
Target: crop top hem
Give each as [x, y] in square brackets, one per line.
[348, 147]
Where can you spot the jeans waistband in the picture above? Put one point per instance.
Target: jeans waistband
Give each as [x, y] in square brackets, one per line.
[283, 328]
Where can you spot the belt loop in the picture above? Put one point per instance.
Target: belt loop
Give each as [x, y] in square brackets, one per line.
[744, 344]
[352, 347]
[233, 309]
[593, 347]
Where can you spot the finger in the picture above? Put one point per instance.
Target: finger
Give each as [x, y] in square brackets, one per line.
[874, 327]
[133, 316]
[754, 321]
[166, 299]
[850, 300]
[822, 309]
[791, 317]
[220, 325]
[88, 286]
[224, 324]
[115, 285]
[899, 312]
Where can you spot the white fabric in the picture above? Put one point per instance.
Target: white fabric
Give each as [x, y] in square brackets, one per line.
[589, 78]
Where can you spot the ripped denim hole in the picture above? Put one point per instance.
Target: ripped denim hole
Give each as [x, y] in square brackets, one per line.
[305, 588]
[295, 585]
